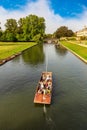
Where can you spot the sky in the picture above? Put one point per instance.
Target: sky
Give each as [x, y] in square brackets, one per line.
[70, 13]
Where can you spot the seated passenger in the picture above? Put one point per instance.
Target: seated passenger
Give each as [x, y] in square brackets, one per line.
[40, 91]
[48, 77]
[48, 91]
[44, 77]
[41, 84]
[49, 84]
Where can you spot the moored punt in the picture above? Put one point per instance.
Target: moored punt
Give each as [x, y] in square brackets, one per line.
[44, 89]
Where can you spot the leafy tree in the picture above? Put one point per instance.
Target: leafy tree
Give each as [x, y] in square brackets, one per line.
[0, 33]
[37, 38]
[19, 34]
[11, 25]
[33, 25]
[70, 33]
[41, 26]
[63, 32]
[20, 25]
[7, 36]
[11, 30]
[29, 28]
[48, 36]
[10, 37]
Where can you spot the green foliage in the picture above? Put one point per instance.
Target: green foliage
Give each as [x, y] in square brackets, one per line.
[29, 28]
[0, 33]
[11, 25]
[37, 38]
[8, 36]
[48, 36]
[33, 26]
[63, 32]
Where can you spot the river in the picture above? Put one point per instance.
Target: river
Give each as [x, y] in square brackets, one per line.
[18, 81]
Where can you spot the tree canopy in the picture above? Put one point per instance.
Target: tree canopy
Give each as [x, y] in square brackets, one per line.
[63, 31]
[30, 28]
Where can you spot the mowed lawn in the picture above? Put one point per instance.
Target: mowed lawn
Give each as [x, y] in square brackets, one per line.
[79, 50]
[10, 48]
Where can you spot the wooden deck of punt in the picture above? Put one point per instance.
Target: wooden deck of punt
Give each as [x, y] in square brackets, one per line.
[42, 98]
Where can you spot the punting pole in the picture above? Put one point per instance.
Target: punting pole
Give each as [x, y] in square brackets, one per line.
[46, 60]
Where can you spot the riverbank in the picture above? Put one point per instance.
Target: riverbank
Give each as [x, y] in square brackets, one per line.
[78, 50]
[9, 50]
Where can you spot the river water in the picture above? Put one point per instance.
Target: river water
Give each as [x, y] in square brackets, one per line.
[18, 80]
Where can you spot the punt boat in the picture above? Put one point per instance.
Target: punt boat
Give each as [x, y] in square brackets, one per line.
[44, 89]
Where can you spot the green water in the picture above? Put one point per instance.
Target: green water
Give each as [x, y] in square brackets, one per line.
[18, 80]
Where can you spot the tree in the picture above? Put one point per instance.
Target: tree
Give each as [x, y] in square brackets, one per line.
[33, 26]
[48, 36]
[11, 30]
[0, 33]
[11, 25]
[29, 28]
[63, 32]
[41, 26]
[70, 33]
[20, 31]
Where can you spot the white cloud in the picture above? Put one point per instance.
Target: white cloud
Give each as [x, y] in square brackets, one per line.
[42, 8]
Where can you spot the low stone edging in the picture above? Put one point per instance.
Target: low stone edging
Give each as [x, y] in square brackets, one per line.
[9, 58]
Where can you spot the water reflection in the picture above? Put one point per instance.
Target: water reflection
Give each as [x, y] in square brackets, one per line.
[60, 50]
[34, 56]
[17, 59]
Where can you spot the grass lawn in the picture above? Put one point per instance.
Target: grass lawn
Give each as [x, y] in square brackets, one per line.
[79, 50]
[10, 48]
[84, 42]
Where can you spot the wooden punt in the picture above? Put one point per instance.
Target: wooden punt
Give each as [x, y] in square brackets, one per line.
[43, 94]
